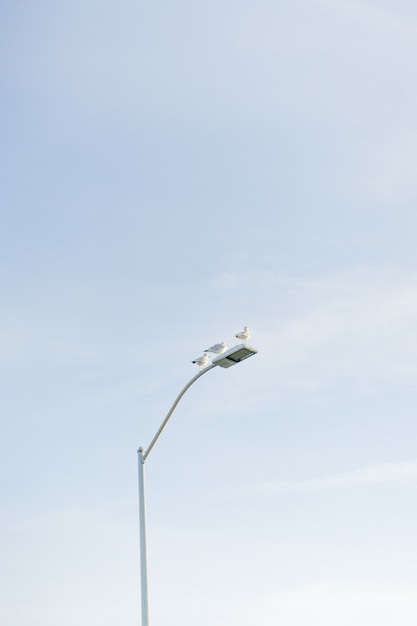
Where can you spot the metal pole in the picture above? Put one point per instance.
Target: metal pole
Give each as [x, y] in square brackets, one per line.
[142, 456]
[142, 535]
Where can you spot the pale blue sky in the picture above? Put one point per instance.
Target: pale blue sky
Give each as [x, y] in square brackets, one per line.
[169, 173]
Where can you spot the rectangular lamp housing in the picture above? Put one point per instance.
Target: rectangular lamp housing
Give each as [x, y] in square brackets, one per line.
[234, 355]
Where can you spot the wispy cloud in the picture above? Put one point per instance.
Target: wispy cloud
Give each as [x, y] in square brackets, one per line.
[356, 327]
[373, 14]
[382, 475]
[327, 604]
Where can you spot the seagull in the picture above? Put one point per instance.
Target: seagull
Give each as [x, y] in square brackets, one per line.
[218, 348]
[201, 361]
[244, 335]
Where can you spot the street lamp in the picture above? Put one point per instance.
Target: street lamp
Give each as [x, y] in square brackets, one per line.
[227, 359]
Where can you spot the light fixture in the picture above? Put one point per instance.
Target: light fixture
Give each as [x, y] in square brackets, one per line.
[234, 355]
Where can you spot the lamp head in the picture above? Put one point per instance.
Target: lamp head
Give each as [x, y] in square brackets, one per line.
[234, 355]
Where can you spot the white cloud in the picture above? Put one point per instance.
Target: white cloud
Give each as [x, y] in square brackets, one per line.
[384, 474]
[318, 604]
[328, 604]
[375, 16]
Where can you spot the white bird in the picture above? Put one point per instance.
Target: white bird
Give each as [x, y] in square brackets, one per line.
[244, 335]
[201, 361]
[218, 348]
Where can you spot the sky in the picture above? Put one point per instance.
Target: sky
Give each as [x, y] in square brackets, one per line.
[171, 172]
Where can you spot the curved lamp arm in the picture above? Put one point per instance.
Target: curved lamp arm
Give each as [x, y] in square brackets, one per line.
[145, 453]
[142, 455]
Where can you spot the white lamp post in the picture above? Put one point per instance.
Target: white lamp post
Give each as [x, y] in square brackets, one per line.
[227, 359]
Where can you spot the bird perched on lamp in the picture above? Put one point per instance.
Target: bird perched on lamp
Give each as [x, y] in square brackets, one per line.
[201, 361]
[244, 334]
[218, 348]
